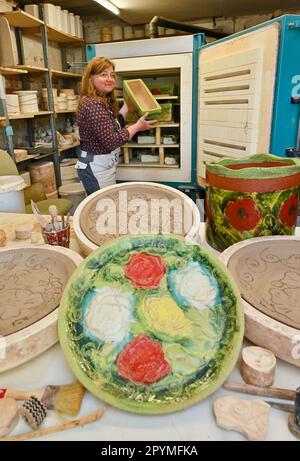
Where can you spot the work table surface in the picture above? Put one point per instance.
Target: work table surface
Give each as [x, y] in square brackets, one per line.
[195, 423]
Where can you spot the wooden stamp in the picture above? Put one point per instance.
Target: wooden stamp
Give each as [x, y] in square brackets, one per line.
[258, 366]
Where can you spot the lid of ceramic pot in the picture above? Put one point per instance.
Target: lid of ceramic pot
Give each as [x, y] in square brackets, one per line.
[24, 92]
[11, 183]
[71, 188]
[258, 166]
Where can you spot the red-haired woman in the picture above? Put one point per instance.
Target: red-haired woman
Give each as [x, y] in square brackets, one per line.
[102, 126]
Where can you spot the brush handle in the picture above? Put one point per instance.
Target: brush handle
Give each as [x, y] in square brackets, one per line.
[41, 219]
[287, 394]
[21, 395]
[289, 407]
[59, 427]
[53, 214]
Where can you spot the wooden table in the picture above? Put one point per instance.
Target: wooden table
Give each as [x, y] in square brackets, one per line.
[9, 222]
[195, 423]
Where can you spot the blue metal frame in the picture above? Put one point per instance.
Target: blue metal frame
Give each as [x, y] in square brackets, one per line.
[285, 113]
[90, 52]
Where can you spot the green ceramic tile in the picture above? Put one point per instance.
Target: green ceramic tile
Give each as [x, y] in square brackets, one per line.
[137, 94]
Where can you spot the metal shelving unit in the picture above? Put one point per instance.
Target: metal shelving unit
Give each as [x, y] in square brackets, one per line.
[25, 23]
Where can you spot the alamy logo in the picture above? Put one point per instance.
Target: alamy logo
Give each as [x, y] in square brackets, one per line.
[2, 348]
[145, 216]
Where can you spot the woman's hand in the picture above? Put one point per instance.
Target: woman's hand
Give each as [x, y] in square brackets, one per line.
[143, 124]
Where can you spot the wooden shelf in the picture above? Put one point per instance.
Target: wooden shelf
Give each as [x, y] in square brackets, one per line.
[144, 146]
[31, 69]
[163, 125]
[60, 73]
[69, 146]
[167, 125]
[29, 157]
[145, 165]
[164, 96]
[12, 71]
[65, 111]
[60, 37]
[30, 115]
[157, 97]
[22, 20]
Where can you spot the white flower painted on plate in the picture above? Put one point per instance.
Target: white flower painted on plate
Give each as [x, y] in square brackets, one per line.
[108, 314]
[193, 287]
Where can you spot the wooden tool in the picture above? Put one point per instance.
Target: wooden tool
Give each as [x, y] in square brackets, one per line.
[34, 412]
[41, 219]
[294, 419]
[9, 416]
[287, 394]
[53, 214]
[258, 366]
[2, 238]
[64, 399]
[60, 427]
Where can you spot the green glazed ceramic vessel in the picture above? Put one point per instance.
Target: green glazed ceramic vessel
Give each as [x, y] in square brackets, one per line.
[151, 324]
[254, 197]
[139, 98]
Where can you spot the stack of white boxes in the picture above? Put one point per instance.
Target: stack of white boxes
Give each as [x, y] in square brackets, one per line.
[59, 19]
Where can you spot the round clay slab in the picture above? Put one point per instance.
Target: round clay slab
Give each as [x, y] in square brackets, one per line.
[262, 324]
[151, 324]
[268, 276]
[32, 280]
[134, 208]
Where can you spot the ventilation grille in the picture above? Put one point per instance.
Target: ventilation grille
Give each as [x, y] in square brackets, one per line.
[229, 106]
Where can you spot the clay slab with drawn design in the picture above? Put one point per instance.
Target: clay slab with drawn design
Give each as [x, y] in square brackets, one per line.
[267, 271]
[32, 280]
[122, 201]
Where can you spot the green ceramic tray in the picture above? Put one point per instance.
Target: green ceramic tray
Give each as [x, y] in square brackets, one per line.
[139, 97]
[151, 324]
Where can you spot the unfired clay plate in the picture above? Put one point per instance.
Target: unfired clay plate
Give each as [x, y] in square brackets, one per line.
[268, 276]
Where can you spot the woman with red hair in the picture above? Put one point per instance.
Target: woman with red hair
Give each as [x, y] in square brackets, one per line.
[102, 126]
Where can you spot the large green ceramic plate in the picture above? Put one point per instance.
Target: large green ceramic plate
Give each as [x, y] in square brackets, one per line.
[151, 324]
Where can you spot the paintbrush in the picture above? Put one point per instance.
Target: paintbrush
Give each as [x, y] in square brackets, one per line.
[289, 407]
[65, 399]
[53, 214]
[41, 219]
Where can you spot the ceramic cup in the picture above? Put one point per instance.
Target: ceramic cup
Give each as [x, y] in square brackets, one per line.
[61, 237]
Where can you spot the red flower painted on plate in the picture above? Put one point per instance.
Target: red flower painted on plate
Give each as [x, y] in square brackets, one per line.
[142, 361]
[289, 211]
[243, 214]
[145, 271]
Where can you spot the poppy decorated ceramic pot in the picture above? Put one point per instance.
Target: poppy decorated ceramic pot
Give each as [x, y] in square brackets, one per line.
[254, 197]
[151, 324]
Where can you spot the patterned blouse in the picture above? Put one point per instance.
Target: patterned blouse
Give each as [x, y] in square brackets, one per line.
[99, 131]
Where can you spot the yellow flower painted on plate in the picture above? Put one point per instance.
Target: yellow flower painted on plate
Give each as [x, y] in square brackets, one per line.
[165, 318]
